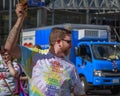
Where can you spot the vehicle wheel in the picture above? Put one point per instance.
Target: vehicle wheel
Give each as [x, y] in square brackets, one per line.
[84, 84]
[115, 91]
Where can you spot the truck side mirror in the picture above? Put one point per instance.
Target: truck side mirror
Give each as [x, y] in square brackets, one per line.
[77, 51]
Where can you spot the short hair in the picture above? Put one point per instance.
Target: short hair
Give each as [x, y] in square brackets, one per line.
[56, 33]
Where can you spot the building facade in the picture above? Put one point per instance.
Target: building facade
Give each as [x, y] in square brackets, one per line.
[68, 11]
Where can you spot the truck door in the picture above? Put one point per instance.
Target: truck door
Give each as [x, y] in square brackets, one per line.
[85, 52]
[84, 62]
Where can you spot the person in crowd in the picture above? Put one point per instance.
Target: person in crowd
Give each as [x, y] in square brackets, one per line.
[52, 73]
[9, 74]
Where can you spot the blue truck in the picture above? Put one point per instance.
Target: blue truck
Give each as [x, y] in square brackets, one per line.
[95, 56]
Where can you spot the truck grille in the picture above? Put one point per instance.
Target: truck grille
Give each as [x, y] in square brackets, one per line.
[111, 74]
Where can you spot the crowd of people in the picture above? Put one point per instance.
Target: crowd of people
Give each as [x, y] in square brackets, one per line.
[50, 74]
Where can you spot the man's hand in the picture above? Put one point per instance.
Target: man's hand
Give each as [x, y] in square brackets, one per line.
[21, 10]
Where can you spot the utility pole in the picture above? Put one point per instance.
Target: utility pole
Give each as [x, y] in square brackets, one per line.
[53, 12]
[10, 14]
[87, 16]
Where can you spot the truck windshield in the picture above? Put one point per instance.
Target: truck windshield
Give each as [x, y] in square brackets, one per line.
[106, 51]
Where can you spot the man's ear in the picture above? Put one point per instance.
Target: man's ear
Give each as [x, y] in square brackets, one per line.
[58, 41]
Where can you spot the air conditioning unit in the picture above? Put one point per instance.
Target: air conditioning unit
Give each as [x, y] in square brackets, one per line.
[92, 34]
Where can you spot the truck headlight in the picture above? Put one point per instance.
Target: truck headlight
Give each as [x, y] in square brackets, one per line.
[98, 73]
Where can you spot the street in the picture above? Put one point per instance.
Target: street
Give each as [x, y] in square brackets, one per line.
[101, 93]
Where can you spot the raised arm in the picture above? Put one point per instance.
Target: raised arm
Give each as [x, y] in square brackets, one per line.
[11, 42]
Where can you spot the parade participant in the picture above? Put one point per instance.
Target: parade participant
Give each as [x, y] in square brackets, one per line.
[52, 73]
[9, 74]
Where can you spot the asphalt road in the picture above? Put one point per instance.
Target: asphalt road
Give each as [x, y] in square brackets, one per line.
[101, 93]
